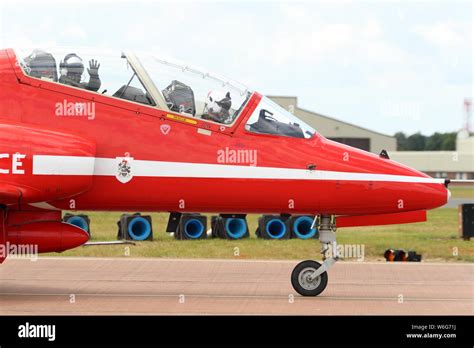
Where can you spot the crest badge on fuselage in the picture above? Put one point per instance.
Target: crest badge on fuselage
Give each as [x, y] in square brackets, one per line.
[124, 166]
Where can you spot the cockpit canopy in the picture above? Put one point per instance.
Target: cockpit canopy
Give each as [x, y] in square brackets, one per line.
[194, 91]
[161, 83]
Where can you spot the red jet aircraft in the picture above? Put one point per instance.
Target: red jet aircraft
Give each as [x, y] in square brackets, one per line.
[141, 133]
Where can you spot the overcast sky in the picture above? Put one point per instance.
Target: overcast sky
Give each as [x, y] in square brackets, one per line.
[388, 66]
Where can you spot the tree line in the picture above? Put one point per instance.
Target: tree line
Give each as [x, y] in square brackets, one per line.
[420, 142]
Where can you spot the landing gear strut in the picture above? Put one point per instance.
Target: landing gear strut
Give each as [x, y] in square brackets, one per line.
[310, 278]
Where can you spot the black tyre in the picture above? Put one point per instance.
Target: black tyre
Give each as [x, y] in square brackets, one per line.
[300, 282]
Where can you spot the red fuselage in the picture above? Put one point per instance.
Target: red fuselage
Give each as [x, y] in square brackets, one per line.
[182, 164]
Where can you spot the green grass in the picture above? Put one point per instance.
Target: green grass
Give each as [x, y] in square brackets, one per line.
[435, 240]
[462, 192]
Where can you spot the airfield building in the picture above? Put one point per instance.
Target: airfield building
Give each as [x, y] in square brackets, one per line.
[338, 130]
[457, 164]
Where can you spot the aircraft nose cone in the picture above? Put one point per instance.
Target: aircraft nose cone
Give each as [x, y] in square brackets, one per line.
[422, 195]
[74, 237]
[435, 195]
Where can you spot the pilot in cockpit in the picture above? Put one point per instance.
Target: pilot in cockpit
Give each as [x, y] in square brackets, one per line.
[180, 98]
[42, 65]
[217, 107]
[71, 69]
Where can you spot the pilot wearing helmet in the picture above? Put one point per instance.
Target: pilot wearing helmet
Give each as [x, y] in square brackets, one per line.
[42, 65]
[71, 69]
[217, 107]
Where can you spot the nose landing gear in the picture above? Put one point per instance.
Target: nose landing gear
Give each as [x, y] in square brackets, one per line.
[310, 278]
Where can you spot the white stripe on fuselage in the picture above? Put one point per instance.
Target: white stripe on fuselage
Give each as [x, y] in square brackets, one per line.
[75, 165]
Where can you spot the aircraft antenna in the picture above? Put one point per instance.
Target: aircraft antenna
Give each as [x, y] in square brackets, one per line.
[468, 113]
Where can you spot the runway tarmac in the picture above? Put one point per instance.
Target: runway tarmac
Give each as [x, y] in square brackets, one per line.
[455, 202]
[164, 286]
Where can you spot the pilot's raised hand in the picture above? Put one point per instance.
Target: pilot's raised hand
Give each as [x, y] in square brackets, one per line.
[93, 69]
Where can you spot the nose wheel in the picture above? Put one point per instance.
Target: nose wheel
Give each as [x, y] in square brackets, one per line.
[310, 278]
[303, 281]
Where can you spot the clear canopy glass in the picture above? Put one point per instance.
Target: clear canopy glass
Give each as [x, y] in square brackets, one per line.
[271, 118]
[194, 91]
[161, 83]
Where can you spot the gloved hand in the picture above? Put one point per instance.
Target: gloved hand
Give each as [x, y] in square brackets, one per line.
[93, 69]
